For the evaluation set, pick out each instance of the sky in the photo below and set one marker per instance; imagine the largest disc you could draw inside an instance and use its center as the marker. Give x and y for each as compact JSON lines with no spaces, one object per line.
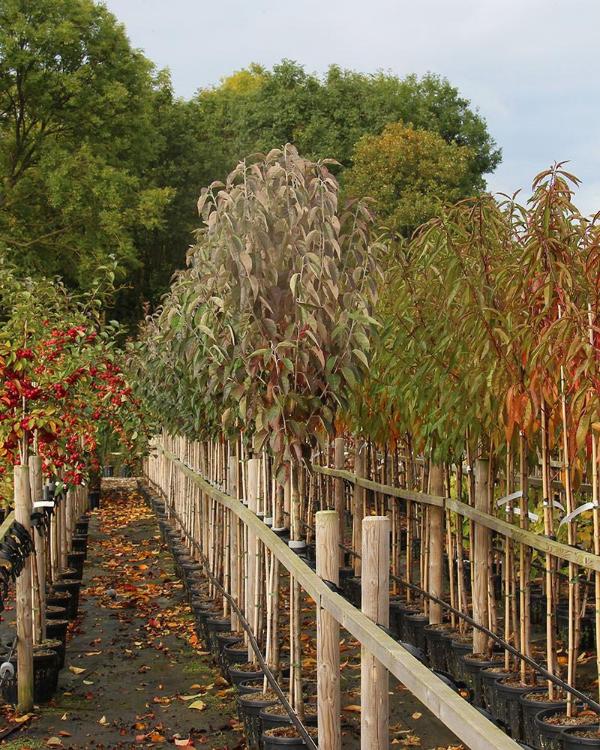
{"x":531,"y":67}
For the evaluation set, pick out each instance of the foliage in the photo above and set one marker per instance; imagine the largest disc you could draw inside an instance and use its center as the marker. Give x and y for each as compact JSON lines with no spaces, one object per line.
{"x":76,"y":137}
{"x":409,"y":173}
{"x":62,"y":392}
{"x":269,"y":329}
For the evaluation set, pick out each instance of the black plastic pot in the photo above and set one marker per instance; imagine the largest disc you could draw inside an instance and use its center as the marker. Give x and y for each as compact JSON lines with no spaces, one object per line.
{"x":488,"y":679}
{"x":76,"y":560}
{"x":403,"y":613}
{"x":61,"y":599}
{"x":94,"y":498}
{"x":572,"y":742}
{"x":45,"y":677}
{"x":353,"y":590}
{"x":414,"y":626}
{"x":249,"y":686}
{"x":508,"y":706}
{"x":81,"y":526}
{"x":237,"y":676}
{"x":215,"y":625}
{"x":224,"y":640}
{"x":55,"y":613}
{"x":58,"y":646}
{"x":71,"y":586}
{"x":235,"y":654}
{"x":460,"y":645}
{"x":270,"y":742}
{"x":57,"y":630}
{"x":473,"y":666}
{"x":530,"y":708}
{"x":79,"y":543}
{"x":437,"y":638}
{"x":201,"y":619}
{"x":249,"y":707}
{"x":271,"y":721}
{"x":549,"y":736}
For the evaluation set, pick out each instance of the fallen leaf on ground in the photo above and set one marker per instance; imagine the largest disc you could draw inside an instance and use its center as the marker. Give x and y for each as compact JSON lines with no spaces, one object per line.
{"x":352,"y":708}
{"x":54,"y":742}
{"x":417,"y":715}
{"x":77,"y":670}
{"x":198,"y":705}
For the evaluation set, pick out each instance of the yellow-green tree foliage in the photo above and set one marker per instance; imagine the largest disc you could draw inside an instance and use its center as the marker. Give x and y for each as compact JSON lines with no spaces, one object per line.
{"x":409,"y":173}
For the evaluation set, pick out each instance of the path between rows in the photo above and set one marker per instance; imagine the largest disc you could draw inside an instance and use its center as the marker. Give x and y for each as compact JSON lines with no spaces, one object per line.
{"x":133,"y":668}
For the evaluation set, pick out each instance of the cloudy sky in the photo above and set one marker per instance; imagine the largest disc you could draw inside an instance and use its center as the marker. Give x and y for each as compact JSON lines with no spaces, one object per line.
{"x":530,"y":66}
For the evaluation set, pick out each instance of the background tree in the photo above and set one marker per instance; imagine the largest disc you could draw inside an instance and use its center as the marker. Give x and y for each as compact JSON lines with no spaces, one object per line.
{"x":76,"y":135}
{"x":410,"y":173}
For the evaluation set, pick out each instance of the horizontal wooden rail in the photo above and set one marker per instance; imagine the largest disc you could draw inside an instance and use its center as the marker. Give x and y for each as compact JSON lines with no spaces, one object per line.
{"x":530,"y":538}
{"x":459,"y":716}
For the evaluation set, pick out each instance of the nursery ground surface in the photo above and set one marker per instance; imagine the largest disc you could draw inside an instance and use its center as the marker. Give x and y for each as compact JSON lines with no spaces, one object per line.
{"x":135,"y":674}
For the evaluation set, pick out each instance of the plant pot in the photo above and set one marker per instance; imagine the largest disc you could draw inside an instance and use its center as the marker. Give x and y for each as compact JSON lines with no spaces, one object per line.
{"x":249,"y":708}
{"x":234,"y":654}
{"x":237,"y":675}
{"x":550,"y":736}
{"x":94,"y":499}
{"x":82,"y":526}
{"x":473,"y":666}
{"x":55,"y":613}
{"x":415,"y":625}
{"x":272,"y":739}
{"x":460,"y":645}
{"x":57,"y":645}
{"x":75,"y":560}
{"x":67,"y":574}
{"x":201,"y":619}
{"x":56,"y":630}
{"x":224,"y":640}
{"x":572,"y":742}
{"x":60,"y":599}
{"x":215,"y":625}
{"x":437,"y":638}
{"x":353,"y":590}
{"x":45,"y":677}
{"x":72,"y":586}
{"x":531,"y":707}
{"x":508,"y":702}
{"x":271,"y":720}
{"x":402,"y":613}
{"x":79,"y":544}
{"x":489,"y":677}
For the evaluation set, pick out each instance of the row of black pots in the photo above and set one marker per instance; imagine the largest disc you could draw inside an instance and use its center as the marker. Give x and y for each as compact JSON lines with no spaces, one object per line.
{"x":62,"y":603}
{"x":516,"y":708}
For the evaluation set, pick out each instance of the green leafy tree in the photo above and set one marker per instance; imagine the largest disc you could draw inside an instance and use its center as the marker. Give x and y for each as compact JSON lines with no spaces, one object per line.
{"x":76,"y":136}
{"x":409,"y":173}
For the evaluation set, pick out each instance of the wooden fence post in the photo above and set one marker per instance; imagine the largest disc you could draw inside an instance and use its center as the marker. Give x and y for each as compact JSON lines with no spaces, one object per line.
{"x":39,"y":575}
{"x":339,"y":457}
{"x":23,"y":598}
{"x":481,"y":552}
{"x":374,"y":678}
{"x":436,"y":544}
{"x":252,"y":551}
{"x":328,"y":635}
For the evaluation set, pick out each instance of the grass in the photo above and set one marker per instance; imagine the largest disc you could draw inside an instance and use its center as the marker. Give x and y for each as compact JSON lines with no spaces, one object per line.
{"x":22,"y":744}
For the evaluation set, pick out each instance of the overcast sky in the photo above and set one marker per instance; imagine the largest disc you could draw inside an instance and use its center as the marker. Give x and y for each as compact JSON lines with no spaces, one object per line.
{"x":531,"y":67}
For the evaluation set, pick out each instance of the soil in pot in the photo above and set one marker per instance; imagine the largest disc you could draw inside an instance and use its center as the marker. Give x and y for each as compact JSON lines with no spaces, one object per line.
{"x":474,"y":664}
{"x":437,"y":638}
{"x":551,"y":723}
{"x":286,"y":737}
{"x":249,"y":708}
{"x":531,"y":704}
{"x":576,"y":738}
{"x":241,"y":672}
{"x":276,"y":716}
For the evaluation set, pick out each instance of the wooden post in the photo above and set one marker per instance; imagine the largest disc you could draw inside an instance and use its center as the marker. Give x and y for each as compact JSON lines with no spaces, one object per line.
{"x":252,"y":550}
{"x":339,"y":492}
{"x":234,"y":567}
{"x":481,"y":551}
{"x":436,"y":545}
{"x":328,"y":635}
{"x":39,"y":575}
{"x":23,"y":598}
{"x":374,"y":678}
